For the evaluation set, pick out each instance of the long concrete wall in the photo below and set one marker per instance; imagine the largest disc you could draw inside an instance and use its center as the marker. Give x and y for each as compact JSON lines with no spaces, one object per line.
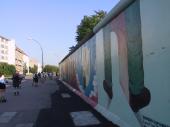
{"x":123,"y":71}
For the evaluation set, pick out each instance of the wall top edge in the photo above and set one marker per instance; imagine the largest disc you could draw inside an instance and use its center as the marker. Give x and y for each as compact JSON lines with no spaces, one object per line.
{"x":122,"y":5}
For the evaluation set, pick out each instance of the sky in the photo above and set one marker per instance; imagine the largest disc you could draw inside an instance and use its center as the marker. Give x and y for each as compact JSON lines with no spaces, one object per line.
{"x":52,"y":23}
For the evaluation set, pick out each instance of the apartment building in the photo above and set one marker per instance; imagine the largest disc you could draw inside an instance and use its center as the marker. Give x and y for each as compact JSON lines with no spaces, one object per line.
{"x":7,"y":50}
{"x":26,"y":62}
{"x":12,"y":54}
{"x":19,"y":63}
{"x":35,"y":62}
{"x":39,"y":68}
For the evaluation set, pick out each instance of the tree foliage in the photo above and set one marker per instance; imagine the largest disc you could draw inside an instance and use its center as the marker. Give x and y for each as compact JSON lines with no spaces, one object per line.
{"x":71,"y":48}
{"x":7,"y":69}
{"x":50,"y":68}
{"x":25,"y":69}
{"x":33,"y":69}
{"x":88,"y":23}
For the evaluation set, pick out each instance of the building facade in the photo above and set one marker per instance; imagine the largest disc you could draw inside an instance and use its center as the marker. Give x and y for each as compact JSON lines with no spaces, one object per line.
{"x":19,"y":63}
{"x":12,"y":54}
{"x":39,"y":68}
{"x":26,"y":63}
{"x":7,"y":50}
{"x":33,"y":62}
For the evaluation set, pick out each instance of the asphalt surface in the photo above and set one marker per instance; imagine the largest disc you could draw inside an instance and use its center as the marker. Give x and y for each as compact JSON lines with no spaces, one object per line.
{"x":24,"y":109}
{"x":51,"y":104}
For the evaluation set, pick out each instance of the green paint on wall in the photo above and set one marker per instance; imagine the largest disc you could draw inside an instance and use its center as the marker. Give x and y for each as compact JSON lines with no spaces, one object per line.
{"x":135,"y":55}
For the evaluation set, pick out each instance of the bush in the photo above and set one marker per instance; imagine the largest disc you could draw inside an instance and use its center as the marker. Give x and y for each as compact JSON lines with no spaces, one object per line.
{"x":7,"y":69}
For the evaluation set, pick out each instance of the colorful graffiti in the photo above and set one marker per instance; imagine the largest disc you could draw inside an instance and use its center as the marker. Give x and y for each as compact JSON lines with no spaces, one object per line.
{"x":109,"y":70}
{"x":79,"y":70}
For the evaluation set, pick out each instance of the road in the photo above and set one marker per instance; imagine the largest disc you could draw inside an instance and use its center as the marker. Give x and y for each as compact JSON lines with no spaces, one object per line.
{"x":22,"y":110}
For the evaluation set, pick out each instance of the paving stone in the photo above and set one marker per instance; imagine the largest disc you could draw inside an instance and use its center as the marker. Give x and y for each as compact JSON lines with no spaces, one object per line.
{"x":84,"y":118}
{"x":7,"y":116}
{"x":65,"y":95}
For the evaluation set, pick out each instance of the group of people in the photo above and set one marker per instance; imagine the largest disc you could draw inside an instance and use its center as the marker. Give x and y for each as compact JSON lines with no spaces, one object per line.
{"x":16,"y":81}
{"x":41,"y":77}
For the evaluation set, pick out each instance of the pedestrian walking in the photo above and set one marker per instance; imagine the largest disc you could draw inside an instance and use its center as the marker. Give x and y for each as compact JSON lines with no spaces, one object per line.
{"x":2,"y":88}
{"x":35,"y":80}
{"x":43,"y":78}
{"x":39,"y":75}
{"x":16,"y":83}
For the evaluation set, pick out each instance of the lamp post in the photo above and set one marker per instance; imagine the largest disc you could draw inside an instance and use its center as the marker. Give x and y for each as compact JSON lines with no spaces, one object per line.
{"x":40,"y":48}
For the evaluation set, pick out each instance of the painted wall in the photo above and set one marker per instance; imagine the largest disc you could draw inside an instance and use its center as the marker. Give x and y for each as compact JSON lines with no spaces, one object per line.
{"x":124,"y":68}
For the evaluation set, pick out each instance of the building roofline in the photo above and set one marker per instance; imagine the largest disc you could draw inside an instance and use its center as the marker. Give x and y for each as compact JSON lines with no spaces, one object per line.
{"x":4,"y":38}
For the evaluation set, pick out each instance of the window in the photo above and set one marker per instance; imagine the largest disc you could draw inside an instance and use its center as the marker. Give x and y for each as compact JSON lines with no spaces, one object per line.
{"x":2,"y":51}
{"x":2,"y":57}
{"x":3,"y":40}
{"x":2,"y":46}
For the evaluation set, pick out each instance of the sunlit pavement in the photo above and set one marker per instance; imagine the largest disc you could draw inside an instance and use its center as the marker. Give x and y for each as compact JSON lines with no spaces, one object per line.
{"x":48,"y":105}
{"x":22,"y":110}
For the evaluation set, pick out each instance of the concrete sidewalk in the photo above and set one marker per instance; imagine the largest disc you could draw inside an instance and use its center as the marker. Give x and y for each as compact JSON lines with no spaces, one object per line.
{"x":22,"y":110}
{"x":69,"y":110}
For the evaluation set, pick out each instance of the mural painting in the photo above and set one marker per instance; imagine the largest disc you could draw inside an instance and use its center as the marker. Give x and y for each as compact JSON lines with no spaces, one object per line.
{"x":109,"y":70}
{"x":80,"y":70}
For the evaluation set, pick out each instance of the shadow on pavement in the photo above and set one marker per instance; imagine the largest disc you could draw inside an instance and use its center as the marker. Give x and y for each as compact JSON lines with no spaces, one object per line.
{"x":59,"y":113}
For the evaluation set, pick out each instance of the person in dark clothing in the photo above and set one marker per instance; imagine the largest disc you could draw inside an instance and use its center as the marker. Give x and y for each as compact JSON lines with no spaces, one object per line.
{"x":16,"y":83}
{"x":35,"y":80}
{"x":39,"y":75}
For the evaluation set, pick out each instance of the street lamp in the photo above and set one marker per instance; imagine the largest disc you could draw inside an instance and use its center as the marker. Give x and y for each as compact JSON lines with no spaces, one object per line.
{"x":40,"y":48}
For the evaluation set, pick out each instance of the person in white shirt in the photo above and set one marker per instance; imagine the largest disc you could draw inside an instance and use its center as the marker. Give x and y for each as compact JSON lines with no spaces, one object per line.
{"x":2,"y":88}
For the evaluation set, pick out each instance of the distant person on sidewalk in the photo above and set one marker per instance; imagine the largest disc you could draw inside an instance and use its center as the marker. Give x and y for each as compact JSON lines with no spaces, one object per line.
{"x":35,"y":80}
{"x":39,"y":75}
{"x":57,"y":78}
{"x":2,"y":88}
{"x":43,"y":77}
{"x":16,"y":83}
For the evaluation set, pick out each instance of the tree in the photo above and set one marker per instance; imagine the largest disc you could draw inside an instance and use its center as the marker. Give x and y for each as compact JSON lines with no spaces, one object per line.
{"x":7,"y":69}
{"x":88,"y":23}
{"x":71,"y":48}
{"x":25,"y":69}
{"x":50,"y":68}
{"x":33,"y":69}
